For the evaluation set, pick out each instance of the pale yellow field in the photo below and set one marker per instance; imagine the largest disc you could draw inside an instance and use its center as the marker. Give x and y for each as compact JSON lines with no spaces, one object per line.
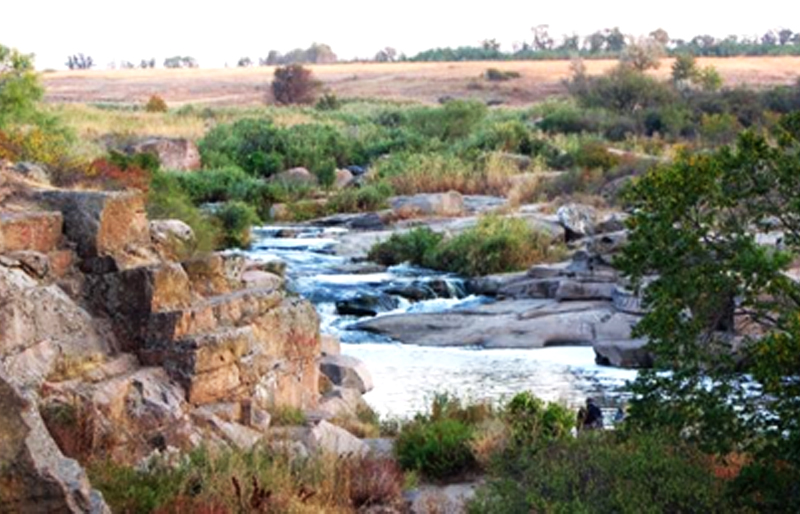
{"x":424,"y":82}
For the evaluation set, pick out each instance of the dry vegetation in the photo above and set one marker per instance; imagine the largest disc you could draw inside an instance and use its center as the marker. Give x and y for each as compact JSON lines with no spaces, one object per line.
{"x":425,"y":82}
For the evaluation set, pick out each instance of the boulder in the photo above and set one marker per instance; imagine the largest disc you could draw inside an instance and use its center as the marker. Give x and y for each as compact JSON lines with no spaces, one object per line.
{"x":176,"y":154}
{"x":173,"y":239}
{"x":31,"y":313}
{"x":614,"y":222}
{"x":344,"y":178}
{"x":429,"y":204}
{"x":296,"y":177}
{"x":37,"y":231}
{"x":207,"y":275}
{"x":626,"y":353}
{"x":264,"y":279}
{"x":346,"y":371}
{"x":33,"y":263}
{"x":626,"y":301}
{"x":327,"y":438}
{"x":356,"y":171}
{"x":578,"y":220}
{"x":330,"y":345}
{"x":415,"y":291}
{"x":572,"y":290}
{"x":354,"y":221}
{"x":33,"y":171}
{"x":34,"y":474}
{"x":342,"y":402}
{"x":110,"y":229}
{"x":280,"y":212}
{"x":366,"y":304}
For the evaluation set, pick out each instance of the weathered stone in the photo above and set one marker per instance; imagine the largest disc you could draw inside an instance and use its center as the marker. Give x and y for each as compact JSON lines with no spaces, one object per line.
{"x":328,"y":438}
{"x":30,"y":367}
{"x":330,"y":345}
{"x":295,"y":177}
{"x":31,"y":313}
{"x":347,"y":371}
{"x":430,"y":204}
{"x":531,"y":288}
{"x":207,"y":274}
{"x":579,"y":220}
{"x":34,"y":263}
{"x":342,"y":402}
{"x":280,"y":212}
{"x":630,"y":353}
{"x":111,"y":225}
{"x":60,"y":263}
{"x":176,"y":154}
{"x":33,"y":171}
{"x":265,"y":279}
{"x":415,"y":291}
{"x":614,"y":222}
{"x":212,"y":386}
{"x":34,"y":474}
{"x":173,"y":239}
{"x":355,"y":221}
{"x":572,"y":290}
{"x":343,"y":179}
{"x":491,"y":285}
{"x":366,"y":305}
{"x":30,"y":231}
{"x":626,"y":301}
{"x":276,"y":266}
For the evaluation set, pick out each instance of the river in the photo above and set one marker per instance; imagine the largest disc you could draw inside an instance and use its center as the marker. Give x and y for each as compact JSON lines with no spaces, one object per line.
{"x":406,"y":377}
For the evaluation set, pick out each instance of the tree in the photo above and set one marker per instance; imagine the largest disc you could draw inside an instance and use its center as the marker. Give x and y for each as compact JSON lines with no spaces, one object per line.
{"x":20,"y":90}
{"x":719,"y":302}
{"x":570,"y":43}
{"x":80,"y":62}
{"x":661,"y":36}
{"x":180,"y":62}
{"x":595,"y":43}
{"x":615,"y":40}
{"x":643,"y":54}
{"x":785,"y":37}
{"x":244,"y":62}
{"x":294,"y":84}
{"x":541,"y":38}
{"x":684,"y":68}
{"x":388,"y":54}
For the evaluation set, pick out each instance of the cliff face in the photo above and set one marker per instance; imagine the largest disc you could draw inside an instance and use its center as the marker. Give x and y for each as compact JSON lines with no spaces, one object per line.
{"x":115,"y":349}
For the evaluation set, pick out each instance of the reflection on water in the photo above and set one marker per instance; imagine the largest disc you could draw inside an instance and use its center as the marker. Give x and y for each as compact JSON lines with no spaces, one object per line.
{"x":405,"y":376}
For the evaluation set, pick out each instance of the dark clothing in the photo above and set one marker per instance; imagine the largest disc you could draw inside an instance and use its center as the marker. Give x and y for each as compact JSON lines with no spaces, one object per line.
{"x":594,"y":417}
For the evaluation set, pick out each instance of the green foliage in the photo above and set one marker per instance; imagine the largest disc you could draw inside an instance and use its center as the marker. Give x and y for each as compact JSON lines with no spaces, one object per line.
{"x":455,"y":120}
{"x":287,"y":416}
{"x":595,"y":154}
{"x":20,"y":90}
{"x":144,"y":161}
{"x":439,"y":449}
{"x":684,"y":68}
{"x":367,"y":198}
{"x":693,"y":228}
{"x":328,"y":102}
{"x":415,"y":247}
{"x":532,"y":422}
{"x":624,"y":90}
{"x":495,"y":245}
{"x":236,"y":218}
{"x":603,"y":473}
{"x":167,"y":200}
{"x":294,"y":84}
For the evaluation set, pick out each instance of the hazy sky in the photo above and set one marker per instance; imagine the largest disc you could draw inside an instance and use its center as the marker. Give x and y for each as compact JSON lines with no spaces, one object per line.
{"x":217,"y":32}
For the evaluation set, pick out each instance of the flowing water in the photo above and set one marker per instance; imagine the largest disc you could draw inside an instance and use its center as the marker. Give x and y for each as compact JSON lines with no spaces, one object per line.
{"x":406,"y":377}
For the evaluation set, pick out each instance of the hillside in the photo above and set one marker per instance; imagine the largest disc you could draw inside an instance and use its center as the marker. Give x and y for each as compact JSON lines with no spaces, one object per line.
{"x":425,"y":82}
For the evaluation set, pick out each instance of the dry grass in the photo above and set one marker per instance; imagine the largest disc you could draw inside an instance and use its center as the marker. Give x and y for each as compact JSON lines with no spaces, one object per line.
{"x":424,"y":82}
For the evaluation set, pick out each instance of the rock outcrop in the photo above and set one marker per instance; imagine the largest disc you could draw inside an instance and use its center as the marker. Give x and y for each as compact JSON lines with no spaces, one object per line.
{"x":175,"y":154}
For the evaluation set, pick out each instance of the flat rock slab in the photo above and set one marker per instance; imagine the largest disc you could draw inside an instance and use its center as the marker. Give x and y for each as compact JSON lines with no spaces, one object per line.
{"x":511,"y":324}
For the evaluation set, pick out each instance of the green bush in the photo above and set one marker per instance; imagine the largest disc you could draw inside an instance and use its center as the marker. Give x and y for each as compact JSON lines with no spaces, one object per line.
{"x":236,"y":218}
{"x":495,"y":75}
{"x":623,"y":90}
{"x":504,"y":136}
{"x":532,"y":422}
{"x":328,"y":102}
{"x":604,"y":473}
{"x":364,"y":199}
{"x":20,"y":90}
{"x":454,"y":120}
{"x":595,"y":154}
{"x":253,"y":145}
{"x":167,"y":200}
{"x":495,"y":245}
{"x":438,"y":448}
{"x":416,"y":247}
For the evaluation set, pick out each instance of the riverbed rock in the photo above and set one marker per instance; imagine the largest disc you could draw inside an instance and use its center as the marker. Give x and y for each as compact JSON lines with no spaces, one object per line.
{"x":508,"y":324}
{"x":34,"y":474}
{"x":628,"y":353}
{"x":177,"y":154}
{"x":327,"y":438}
{"x":344,"y":178}
{"x":429,"y":204}
{"x":366,"y":305}
{"x":330,"y":345}
{"x":30,"y":231}
{"x":579,"y":220}
{"x":296,"y":177}
{"x":33,"y":171}
{"x":173,"y":239}
{"x":347,"y":371}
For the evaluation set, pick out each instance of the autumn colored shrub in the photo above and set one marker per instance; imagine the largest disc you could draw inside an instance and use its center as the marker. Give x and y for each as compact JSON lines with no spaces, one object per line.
{"x":156,"y":104}
{"x":294,"y":84}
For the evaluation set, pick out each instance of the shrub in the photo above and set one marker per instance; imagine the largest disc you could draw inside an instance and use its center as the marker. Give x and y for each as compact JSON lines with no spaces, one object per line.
{"x":411,"y":173}
{"x":364,"y":199}
{"x":495,"y":75}
{"x":328,"y":102}
{"x":251,"y":144}
{"x":294,"y":84}
{"x":594,"y":154}
{"x":20,"y":90}
{"x":454,"y":120}
{"x":235,"y":219}
{"x":624,"y":90}
{"x":155,"y":104}
{"x":532,"y":422}
{"x":494,"y":245}
{"x":416,"y":247}
{"x":438,"y":448}
{"x":603,"y":472}
{"x":167,"y":200}
{"x":684,"y":68}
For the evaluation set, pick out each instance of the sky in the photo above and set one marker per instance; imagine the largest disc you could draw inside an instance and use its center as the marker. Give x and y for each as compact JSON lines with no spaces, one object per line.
{"x":216,"y":33}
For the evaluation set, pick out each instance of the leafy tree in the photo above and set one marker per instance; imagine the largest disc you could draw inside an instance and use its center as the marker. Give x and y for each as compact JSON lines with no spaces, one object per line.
{"x":720,"y":303}
{"x":541,"y":38}
{"x":294,"y":84}
{"x":80,"y":62}
{"x":180,"y":62}
{"x":643,"y":54}
{"x":244,"y":62}
{"x":388,"y":54}
{"x":19,"y":87}
{"x":684,"y":68}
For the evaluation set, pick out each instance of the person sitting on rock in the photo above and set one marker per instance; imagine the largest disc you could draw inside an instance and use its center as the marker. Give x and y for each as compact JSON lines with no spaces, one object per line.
{"x":594,"y":416}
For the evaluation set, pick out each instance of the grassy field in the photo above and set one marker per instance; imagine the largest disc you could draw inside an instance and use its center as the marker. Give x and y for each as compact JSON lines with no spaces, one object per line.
{"x":424,"y":82}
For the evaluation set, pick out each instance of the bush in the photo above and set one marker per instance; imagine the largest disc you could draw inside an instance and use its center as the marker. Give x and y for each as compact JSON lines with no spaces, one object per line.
{"x":416,"y":247}
{"x":364,"y":199}
{"x":603,"y":472}
{"x":532,"y":422}
{"x":155,"y":104}
{"x":454,"y":120}
{"x":624,"y":90}
{"x":236,"y":218}
{"x":594,"y":154}
{"x":294,"y":84}
{"x":328,"y":102}
{"x":439,"y":448}
{"x":495,"y":75}
{"x":252,"y":144}
{"x":167,"y":200}
{"x":20,"y":90}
